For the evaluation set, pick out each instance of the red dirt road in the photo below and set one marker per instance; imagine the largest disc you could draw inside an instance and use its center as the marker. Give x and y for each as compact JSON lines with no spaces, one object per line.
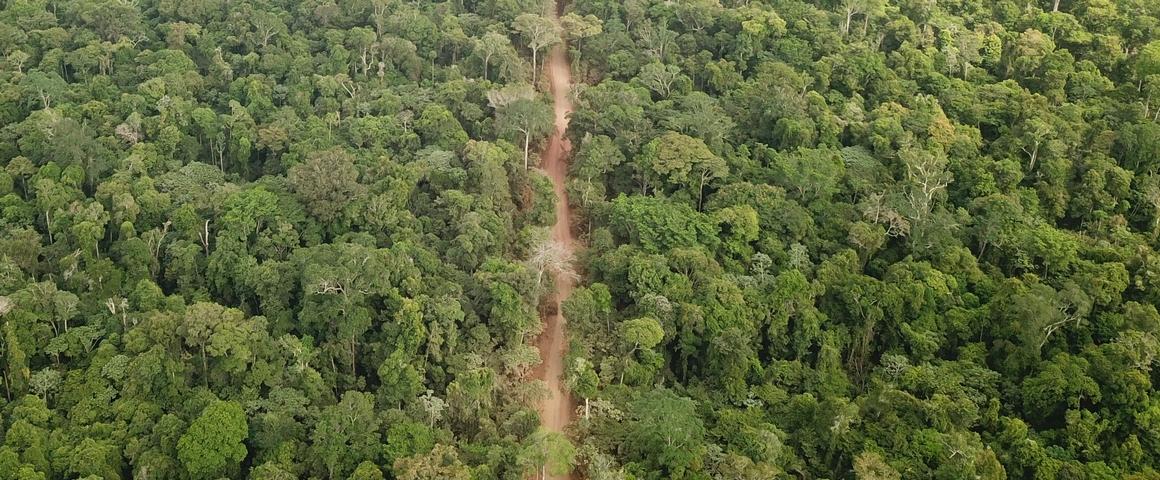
{"x":556,"y":411}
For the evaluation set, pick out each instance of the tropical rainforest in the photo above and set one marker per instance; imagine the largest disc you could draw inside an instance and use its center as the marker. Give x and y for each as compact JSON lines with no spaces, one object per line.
{"x":823,"y":239}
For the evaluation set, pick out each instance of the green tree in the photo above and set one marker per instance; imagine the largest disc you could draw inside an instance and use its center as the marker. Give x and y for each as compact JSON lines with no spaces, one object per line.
{"x":576,"y":28}
{"x":327,"y":182}
{"x":492,"y":45}
{"x":538,"y":33}
{"x":442,"y":461}
{"x":526,"y":119}
{"x":366,"y":471}
{"x":658,"y":225}
{"x":221,"y":333}
{"x":43,"y":89}
{"x":871,"y":466}
{"x":213,"y":445}
{"x":437,"y":126}
{"x":582,"y":380}
{"x":1148,"y":62}
{"x":666,"y":434}
{"x":549,"y":453}
{"x":346,"y":435}
{"x":641,"y":333}
{"x":680,"y":160}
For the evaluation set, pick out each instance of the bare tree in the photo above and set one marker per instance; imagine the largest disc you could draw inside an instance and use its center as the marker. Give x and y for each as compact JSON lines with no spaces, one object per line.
{"x":501,"y":97}
{"x":659,"y":77}
{"x":927,"y":174}
{"x":553,"y":257}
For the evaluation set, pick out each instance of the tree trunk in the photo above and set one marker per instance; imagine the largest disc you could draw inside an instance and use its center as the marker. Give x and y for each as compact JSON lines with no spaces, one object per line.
{"x":334,"y":368}
{"x":48,"y":225}
{"x":701,"y":191}
{"x":527,"y":141}
{"x":1055,"y":6}
{"x":205,"y":239}
{"x":1034,"y":156}
{"x":204,"y":367}
{"x":353,"y":357}
{"x":534,"y":68}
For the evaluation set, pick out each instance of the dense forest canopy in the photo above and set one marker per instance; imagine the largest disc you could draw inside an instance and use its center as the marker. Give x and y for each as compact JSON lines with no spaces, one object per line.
{"x":864,"y":239}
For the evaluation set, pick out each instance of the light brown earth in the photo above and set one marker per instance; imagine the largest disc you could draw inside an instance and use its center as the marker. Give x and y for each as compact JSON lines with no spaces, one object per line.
{"x":556,"y":411}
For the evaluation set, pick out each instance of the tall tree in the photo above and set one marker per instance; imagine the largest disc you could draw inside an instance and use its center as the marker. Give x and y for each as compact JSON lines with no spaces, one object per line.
{"x":490,"y":46}
{"x":538,"y":33}
{"x":527,"y":118}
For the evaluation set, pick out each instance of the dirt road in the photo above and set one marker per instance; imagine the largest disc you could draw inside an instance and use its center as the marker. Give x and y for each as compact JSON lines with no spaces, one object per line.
{"x":557,"y":409}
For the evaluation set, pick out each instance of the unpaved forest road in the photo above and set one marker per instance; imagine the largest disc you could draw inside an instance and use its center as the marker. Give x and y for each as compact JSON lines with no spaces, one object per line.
{"x":556,"y":411}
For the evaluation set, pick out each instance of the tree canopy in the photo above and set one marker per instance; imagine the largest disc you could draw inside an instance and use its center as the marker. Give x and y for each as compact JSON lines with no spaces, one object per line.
{"x":872,"y":239}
